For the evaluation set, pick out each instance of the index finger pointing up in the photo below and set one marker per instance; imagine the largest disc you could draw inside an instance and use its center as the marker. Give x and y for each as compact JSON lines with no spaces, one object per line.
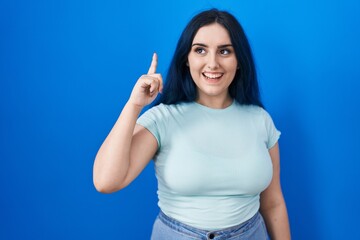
{"x":153,"y":65}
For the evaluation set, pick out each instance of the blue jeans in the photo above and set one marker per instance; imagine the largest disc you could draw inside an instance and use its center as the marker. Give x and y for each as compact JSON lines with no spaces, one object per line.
{"x":166,"y":228}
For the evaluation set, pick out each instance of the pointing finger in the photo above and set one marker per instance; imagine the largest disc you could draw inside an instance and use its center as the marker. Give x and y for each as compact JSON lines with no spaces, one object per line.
{"x":153,"y":65}
{"x":150,"y":85}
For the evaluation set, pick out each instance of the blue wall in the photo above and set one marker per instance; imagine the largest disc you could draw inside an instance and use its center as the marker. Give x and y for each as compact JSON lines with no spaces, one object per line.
{"x":67,"y":68}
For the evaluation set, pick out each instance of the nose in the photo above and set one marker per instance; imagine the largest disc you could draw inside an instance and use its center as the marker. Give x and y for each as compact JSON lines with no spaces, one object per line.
{"x":212,"y":61}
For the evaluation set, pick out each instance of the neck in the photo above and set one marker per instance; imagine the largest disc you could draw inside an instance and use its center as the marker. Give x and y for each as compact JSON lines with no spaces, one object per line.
{"x":215,"y":102}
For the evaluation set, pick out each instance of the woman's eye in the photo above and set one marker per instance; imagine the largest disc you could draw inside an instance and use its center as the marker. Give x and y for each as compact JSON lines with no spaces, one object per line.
{"x":200,"y":50}
{"x":225,"y":51}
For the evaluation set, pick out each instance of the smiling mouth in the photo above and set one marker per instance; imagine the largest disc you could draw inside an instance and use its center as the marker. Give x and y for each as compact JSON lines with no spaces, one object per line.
{"x":212,"y":76}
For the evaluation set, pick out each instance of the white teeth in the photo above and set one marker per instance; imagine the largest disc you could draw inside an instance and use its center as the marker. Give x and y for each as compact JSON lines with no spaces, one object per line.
{"x":213,"y":75}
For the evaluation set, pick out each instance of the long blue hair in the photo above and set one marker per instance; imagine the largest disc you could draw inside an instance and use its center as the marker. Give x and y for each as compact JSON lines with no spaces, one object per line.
{"x":179,"y":86}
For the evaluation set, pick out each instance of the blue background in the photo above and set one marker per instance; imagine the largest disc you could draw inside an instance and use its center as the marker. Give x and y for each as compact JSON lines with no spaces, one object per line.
{"x":68,"y":67}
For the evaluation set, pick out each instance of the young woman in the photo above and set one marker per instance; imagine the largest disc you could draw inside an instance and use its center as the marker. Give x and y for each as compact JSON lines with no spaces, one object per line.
{"x":214,"y":146}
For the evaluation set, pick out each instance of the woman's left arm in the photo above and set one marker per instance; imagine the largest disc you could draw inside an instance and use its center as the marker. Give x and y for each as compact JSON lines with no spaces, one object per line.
{"x":272,"y":203}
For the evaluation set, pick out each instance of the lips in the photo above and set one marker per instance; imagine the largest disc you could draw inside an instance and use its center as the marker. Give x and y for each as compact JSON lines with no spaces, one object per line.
{"x":212,"y":76}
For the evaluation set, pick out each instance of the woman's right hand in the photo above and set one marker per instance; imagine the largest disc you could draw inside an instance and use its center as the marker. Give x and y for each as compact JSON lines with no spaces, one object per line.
{"x":148,"y":86}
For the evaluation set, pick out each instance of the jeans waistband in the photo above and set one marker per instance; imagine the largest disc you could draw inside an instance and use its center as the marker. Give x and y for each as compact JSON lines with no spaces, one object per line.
{"x":222,"y":233}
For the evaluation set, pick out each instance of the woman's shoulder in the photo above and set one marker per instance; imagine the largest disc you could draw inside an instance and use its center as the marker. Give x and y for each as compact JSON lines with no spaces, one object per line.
{"x":171,"y":107}
{"x":254,"y":111}
{"x":250,"y":108}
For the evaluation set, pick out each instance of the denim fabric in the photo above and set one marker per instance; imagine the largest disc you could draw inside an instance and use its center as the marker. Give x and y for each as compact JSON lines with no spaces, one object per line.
{"x":166,"y":228}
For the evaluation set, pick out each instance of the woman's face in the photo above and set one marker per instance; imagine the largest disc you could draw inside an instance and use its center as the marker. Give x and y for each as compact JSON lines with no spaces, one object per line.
{"x":212,"y":62}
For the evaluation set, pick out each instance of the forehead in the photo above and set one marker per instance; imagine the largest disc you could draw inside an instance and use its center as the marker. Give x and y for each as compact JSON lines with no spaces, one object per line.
{"x":213,"y":33}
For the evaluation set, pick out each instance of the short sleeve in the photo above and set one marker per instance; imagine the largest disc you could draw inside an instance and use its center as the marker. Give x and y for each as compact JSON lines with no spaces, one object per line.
{"x":154,"y":120}
{"x":273,"y":134}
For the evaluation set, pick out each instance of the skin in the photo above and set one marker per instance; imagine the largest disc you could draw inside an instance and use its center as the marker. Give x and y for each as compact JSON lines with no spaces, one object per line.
{"x":212,"y":55}
{"x":212,"y":63}
{"x":272,"y":203}
{"x":116,"y":167}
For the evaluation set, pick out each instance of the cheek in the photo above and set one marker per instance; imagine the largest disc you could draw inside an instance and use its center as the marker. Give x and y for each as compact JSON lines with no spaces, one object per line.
{"x":195,"y":63}
{"x":195,"y":70}
{"x":232,"y":65}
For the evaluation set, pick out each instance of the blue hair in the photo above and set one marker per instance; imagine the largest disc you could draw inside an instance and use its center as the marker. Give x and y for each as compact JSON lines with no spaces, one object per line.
{"x":179,"y":86}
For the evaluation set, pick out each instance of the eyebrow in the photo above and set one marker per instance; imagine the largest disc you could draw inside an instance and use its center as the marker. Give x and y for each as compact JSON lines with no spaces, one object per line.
{"x":204,"y":45}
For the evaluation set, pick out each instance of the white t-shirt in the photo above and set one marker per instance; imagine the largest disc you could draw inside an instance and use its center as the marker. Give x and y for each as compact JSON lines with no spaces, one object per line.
{"x":211,"y":164}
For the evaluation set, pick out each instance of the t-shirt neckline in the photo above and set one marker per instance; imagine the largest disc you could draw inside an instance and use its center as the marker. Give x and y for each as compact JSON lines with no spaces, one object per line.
{"x":209,"y":109}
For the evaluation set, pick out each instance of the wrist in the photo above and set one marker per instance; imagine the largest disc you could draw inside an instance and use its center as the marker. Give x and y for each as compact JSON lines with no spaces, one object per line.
{"x":133,"y":106}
